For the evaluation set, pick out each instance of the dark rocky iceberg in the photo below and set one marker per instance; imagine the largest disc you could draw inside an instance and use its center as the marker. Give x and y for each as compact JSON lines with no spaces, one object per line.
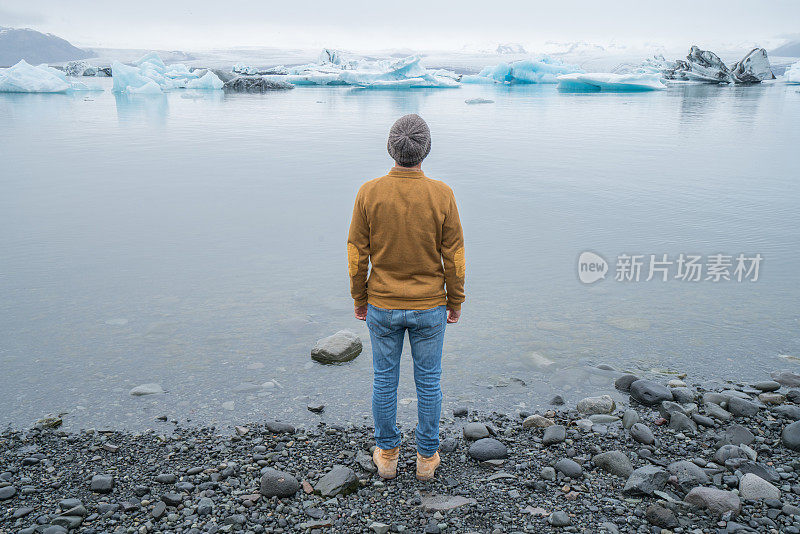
{"x":706,"y":66}
{"x":753,"y":68}
{"x":254,"y":84}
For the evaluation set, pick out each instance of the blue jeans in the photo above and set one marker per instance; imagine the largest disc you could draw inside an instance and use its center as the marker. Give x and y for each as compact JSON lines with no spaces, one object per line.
{"x":387,"y":328}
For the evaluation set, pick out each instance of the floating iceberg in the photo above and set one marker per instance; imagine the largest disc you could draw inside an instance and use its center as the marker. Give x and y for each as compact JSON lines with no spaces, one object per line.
{"x":246,"y":70}
{"x":25,"y":78}
{"x":149,"y":75}
{"x":699,"y":66}
{"x":80,"y":68}
{"x":705,"y":66}
{"x":609,"y":82}
{"x":399,"y":73}
{"x":753,"y":68}
{"x":209,"y":80}
{"x":478,"y":101}
{"x":792,"y":74}
{"x":255,"y":84}
{"x":653,"y":65}
{"x":543,"y":69}
{"x":335,"y":68}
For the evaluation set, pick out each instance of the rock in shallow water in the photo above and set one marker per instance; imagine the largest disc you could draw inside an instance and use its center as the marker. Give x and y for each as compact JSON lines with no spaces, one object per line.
{"x":650,"y":393}
{"x":786,"y":378}
{"x":767,"y":386}
{"x":624,"y":382}
{"x":342,"y":346}
{"x":596,"y":405}
{"x":147,"y":389}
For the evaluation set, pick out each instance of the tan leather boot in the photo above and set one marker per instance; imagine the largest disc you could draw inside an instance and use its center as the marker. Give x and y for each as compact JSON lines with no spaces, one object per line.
{"x":427,"y":466}
{"x":386,"y":461}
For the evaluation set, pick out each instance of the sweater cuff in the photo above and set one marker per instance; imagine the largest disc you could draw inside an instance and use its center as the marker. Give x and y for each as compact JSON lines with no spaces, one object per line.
{"x":360,"y":302}
{"x":453,"y":305}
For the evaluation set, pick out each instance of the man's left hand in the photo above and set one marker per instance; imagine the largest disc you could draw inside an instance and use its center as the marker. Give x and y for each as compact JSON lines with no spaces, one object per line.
{"x":361,"y":312}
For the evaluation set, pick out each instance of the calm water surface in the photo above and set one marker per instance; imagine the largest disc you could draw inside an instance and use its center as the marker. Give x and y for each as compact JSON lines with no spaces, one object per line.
{"x":197,"y":240}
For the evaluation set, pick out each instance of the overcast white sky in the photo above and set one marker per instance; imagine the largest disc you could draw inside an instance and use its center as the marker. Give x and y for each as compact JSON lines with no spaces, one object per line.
{"x":419,"y":24}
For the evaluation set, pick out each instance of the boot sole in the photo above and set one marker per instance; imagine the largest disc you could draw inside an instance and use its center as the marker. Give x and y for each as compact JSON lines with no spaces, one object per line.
{"x":387,"y":477}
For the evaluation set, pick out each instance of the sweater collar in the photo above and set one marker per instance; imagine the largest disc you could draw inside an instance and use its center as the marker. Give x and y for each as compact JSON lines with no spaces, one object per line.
{"x":406,"y":173}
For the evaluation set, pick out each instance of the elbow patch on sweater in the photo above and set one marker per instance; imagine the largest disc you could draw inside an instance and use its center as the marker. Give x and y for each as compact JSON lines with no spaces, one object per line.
{"x":458,"y":259}
{"x":352,"y":259}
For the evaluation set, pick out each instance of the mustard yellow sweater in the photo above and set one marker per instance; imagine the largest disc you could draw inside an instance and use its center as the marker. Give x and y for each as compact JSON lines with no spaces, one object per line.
{"x":407,"y":225}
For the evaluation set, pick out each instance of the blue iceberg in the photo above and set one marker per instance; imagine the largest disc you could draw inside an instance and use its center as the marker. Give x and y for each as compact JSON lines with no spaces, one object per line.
{"x":792,"y":74}
{"x":149,"y":75}
{"x":543,"y":69}
{"x":336,"y":68}
{"x":26,"y":78}
{"x":608,"y":82}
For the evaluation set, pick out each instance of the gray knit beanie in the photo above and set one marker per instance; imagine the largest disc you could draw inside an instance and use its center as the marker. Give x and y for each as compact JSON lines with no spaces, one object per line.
{"x":409,"y":140}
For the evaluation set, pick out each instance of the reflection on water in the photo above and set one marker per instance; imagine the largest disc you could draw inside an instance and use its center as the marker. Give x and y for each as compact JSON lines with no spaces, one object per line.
{"x":152,"y":109}
{"x":195,"y":239}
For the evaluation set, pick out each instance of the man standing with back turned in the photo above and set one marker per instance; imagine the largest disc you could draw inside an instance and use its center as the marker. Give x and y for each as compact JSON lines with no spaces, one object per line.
{"x":407,"y":225}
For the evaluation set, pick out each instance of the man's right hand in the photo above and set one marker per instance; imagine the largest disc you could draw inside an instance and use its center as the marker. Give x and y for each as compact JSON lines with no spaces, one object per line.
{"x":360,"y":312}
{"x":453,"y":315}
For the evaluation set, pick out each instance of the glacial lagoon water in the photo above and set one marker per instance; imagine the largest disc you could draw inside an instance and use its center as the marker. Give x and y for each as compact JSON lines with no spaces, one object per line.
{"x":197,"y":240}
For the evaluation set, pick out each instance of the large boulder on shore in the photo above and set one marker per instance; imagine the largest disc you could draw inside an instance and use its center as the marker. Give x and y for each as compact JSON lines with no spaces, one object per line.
{"x":342,"y":346}
{"x":276,"y":483}
{"x":488,"y":449}
{"x":753,"y":68}
{"x":645,"y":480}
{"x":715,"y":500}
{"x":755,"y":488}
{"x":339,"y":480}
{"x":790,"y":437}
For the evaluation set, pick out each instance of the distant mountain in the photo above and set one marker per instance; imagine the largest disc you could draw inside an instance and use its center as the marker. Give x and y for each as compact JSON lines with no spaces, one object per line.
{"x":35,"y":47}
{"x":790,"y":49}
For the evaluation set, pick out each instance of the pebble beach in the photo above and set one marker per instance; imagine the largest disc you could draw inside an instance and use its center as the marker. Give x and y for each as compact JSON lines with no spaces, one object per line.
{"x":676,"y":457}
